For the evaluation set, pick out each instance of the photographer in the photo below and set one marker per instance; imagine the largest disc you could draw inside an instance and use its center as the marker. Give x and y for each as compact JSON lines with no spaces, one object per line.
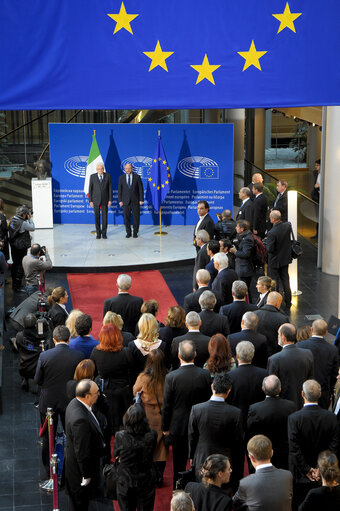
{"x":34,"y":268}
{"x":226,"y":226}
{"x":35,"y":303}
{"x":244,"y":251}
{"x":20,"y":240}
{"x":28,"y":344}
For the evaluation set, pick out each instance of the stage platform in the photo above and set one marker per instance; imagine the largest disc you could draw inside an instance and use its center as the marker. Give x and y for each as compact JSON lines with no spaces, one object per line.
{"x":74,"y":247}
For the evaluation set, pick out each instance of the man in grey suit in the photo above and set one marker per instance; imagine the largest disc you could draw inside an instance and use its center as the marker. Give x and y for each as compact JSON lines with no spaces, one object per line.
{"x":130,"y":198}
{"x":270,"y":488}
{"x":100,"y":197}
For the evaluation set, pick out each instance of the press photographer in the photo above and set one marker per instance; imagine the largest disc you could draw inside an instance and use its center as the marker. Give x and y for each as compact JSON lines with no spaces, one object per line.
{"x":35,"y":264}
{"x":20,"y":240}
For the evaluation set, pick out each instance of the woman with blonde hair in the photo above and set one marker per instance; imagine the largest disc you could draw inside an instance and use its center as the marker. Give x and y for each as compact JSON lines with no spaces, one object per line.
{"x":111,"y":318}
{"x":264,"y":286}
{"x":174,"y":327}
{"x":71,"y":321}
{"x":58,"y":312}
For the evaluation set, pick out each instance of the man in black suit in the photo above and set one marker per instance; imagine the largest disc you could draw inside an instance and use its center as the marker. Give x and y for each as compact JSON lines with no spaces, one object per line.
{"x":216,"y":427}
{"x":130,"y":198}
{"x":246,"y":380}
{"x":292,"y":365}
{"x":84,"y":448}
{"x":310,"y":431}
{"x":54,"y":369}
{"x":212,"y":323}
{"x":183,"y":388}
{"x":224,"y":279}
{"x":244,"y":253}
{"x":278,"y":245}
{"x":281,"y":201}
{"x":191,"y":300}
{"x":270,"y":319}
{"x":270,"y":488}
{"x":234,"y":311}
{"x":213,"y":248}
{"x":326,"y":360}
{"x":202,"y":258}
{"x":248,"y":326}
{"x":246,"y":211}
{"x":100,"y":197}
{"x":255,"y":178}
{"x":126,"y":305}
{"x":205,"y":221}
{"x":259,"y":211}
{"x":193,"y":323}
{"x":270,"y":418}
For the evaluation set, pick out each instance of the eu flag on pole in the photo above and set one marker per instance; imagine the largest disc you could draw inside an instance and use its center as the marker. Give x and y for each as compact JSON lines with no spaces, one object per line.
{"x":159,"y":181}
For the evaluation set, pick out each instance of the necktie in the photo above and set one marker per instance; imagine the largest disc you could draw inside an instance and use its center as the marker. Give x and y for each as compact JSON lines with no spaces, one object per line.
{"x":129,"y":179}
{"x":101,"y":179}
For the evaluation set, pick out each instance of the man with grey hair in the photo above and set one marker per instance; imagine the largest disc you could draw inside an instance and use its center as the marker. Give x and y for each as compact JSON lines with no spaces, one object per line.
{"x":270,"y":319}
{"x":128,"y":306}
{"x":191,"y":300}
{"x":193,"y":323}
{"x":183,"y":388}
{"x":270,"y":418}
{"x":224,"y":279}
{"x":246,"y":380}
{"x":212,"y":323}
{"x":246,"y":210}
{"x":234,"y":311}
{"x":248,"y":326}
{"x":100,"y":197}
{"x":181,"y":501}
{"x":202,"y":258}
{"x":310,"y":431}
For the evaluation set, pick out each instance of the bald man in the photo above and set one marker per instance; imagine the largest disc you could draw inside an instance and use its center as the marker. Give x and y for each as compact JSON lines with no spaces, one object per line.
{"x":270,"y":319}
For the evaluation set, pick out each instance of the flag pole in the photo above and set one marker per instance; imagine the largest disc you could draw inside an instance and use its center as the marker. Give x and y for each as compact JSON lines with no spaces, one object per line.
{"x":160,"y":232}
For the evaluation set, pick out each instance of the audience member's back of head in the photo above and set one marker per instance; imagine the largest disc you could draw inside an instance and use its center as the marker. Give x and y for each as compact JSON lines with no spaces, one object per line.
{"x":312,"y":390}
{"x":181,"y":501}
{"x":135,"y":421}
{"x":124,"y":282}
{"x":222,"y":383}
{"x":61,"y":333}
{"x":260,"y":447}
{"x":83,"y":324}
{"x":175,"y":317}
{"x":271,"y":385}
{"x":245,"y":351}
{"x":187,"y":351}
{"x":193,"y":319}
{"x":329,"y":467}
{"x":319,"y":327}
{"x":239,"y":289}
{"x":203,"y":277}
{"x":250,"y":320}
{"x":274,"y":298}
{"x":207,"y":300}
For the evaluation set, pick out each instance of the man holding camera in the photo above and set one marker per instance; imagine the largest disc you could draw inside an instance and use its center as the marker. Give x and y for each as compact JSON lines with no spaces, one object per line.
{"x":35,"y":266}
{"x":20,"y":240}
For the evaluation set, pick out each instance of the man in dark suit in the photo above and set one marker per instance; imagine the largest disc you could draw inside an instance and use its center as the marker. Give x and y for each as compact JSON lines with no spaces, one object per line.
{"x":244,"y":253}
{"x":212,"y":323}
{"x":193,"y":323}
{"x":270,"y":319}
{"x":191,"y":300}
{"x":255,"y":178}
{"x":54,"y":369}
{"x":100,"y":197}
{"x":278,"y":245}
{"x":246,"y":211}
{"x":224,"y":279}
{"x":270,"y":488}
{"x":234,"y":311}
{"x":310,"y":431}
{"x":202,"y":258}
{"x":281,"y":201}
{"x":130,"y":198}
{"x":246,"y":380}
{"x":248,"y":326}
{"x":259,"y":211}
{"x":213,"y":248}
{"x":205,"y":221}
{"x":84,"y":448}
{"x":292,"y":365}
{"x":225,"y":227}
{"x":183,"y":388}
{"x":270,"y":418}
{"x":326,"y":360}
{"x":216,"y":427}
{"x":126,"y":305}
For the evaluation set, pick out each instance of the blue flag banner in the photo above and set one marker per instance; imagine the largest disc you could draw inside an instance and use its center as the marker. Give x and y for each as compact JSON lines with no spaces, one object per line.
{"x":159,"y":180}
{"x":121,"y":54}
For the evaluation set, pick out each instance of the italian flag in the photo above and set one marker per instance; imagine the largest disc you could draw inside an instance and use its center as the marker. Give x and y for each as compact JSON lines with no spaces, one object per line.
{"x":94,"y":159}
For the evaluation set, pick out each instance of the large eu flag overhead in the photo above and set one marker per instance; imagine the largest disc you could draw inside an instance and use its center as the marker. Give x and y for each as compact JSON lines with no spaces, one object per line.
{"x":121,"y":54}
{"x":159,"y":180}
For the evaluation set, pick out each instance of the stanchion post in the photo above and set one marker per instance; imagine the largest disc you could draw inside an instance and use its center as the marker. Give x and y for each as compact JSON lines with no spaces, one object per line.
{"x":54,"y":471}
{"x":48,"y":485}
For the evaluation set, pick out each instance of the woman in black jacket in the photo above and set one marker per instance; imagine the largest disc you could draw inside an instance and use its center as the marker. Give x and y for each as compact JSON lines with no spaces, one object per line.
{"x":57,"y":301}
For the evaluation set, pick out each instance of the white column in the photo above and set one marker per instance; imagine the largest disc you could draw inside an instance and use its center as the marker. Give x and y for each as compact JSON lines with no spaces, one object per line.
{"x":292,"y":217}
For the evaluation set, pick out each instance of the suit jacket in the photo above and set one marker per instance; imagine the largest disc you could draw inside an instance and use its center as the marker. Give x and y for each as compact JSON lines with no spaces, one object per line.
{"x":246,"y":387}
{"x":58,"y":315}
{"x":201,"y":261}
{"x":260,"y":209}
{"x":326,"y":365}
{"x":132,"y":195}
{"x":278,"y":245}
{"x":234,"y":312}
{"x":261,"y":302}
{"x":282,"y":206}
{"x":100,"y":194}
{"x":209,"y":497}
{"x":208,"y":225}
{"x":201,"y":342}
{"x":244,"y":255}
{"x":270,"y":418}
{"x":270,"y":319}
{"x":223,"y":283}
{"x":212,"y":270}
{"x":184,"y":387}
{"x":258,"y":340}
{"x":128,"y":307}
{"x":269,"y":489}
{"x":191,"y":300}
{"x":54,"y":369}
{"x":246,"y":212}
{"x":213,"y":323}
{"x":293,"y":367}
{"x":310,"y":431}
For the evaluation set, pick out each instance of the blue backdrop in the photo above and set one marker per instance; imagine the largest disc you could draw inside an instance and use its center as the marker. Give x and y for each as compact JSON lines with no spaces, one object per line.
{"x":200,"y":158}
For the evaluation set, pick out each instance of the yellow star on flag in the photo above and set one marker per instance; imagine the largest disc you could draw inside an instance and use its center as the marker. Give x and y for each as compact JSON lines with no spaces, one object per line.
{"x":252,"y":57}
{"x":287,"y":19}
{"x":205,"y":70}
{"x":158,"y":58}
{"x":123,"y":19}
{"x":150,"y":178}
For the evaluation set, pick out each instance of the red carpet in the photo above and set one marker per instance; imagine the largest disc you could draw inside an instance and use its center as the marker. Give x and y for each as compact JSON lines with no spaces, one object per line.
{"x":89,"y":290}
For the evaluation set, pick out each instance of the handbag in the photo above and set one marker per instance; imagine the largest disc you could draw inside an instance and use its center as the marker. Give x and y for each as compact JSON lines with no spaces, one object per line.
{"x":295,"y":247}
{"x":110,"y":475}
{"x":184,"y":478}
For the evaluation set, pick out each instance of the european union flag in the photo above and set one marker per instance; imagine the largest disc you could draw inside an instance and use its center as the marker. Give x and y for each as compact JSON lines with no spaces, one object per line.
{"x":159,"y":181}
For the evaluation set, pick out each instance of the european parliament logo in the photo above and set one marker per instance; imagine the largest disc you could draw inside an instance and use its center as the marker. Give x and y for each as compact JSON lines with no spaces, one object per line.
{"x":141,"y":165}
{"x":76,"y":166}
{"x":199,"y":167}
